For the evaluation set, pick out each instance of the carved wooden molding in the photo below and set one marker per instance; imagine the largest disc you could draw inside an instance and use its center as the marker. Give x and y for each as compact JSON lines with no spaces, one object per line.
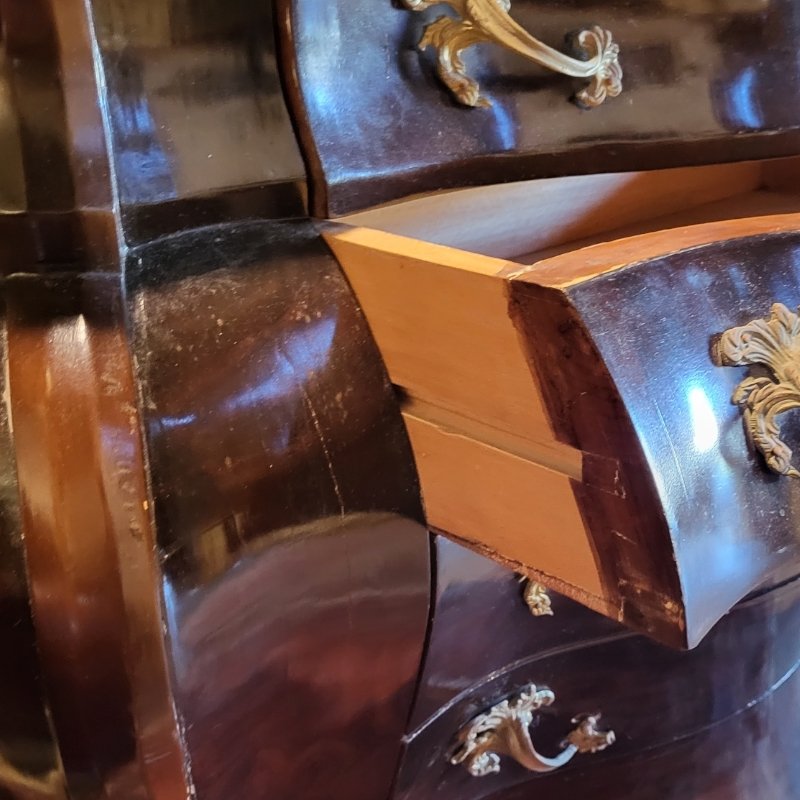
{"x":489,"y":21}
{"x":775,"y":345}
{"x":504,"y":730}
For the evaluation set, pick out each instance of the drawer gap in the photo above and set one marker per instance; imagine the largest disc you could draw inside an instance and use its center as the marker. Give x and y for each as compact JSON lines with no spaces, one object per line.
{"x":530,"y":220}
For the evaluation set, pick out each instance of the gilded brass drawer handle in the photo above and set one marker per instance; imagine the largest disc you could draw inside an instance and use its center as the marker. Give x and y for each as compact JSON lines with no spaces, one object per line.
{"x":504,"y":730}
{"x":489,"y":21}
{"x":774,"y":344}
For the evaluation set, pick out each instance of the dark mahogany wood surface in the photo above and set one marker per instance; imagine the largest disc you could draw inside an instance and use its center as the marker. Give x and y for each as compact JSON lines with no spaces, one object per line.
{"x":694,"y":511}
{"x":125,"y":121}
{"x":290,"y":568}
{"x":481,"y":624}
{"x":217,"y":389}
{"x":750,"y":755}
{"x":296,"y":571}
{"x":289,"y":577}
{"x":651,"y":696}
{"x":198,"y":126}
{"x":56,"y":194}
{"x":704,"y":82}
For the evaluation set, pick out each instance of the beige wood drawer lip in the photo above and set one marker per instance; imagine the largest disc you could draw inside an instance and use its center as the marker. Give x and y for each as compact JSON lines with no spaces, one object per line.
{"x":570,"y":268}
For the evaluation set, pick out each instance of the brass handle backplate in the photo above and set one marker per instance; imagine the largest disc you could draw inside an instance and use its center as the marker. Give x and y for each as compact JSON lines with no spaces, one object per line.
{"x":775,"y":345}
{"x":489,"y":21}
{"x":504,"y":730}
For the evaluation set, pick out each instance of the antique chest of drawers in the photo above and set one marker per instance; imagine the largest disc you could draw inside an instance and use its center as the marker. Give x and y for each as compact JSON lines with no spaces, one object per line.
{"x":399,"y":399}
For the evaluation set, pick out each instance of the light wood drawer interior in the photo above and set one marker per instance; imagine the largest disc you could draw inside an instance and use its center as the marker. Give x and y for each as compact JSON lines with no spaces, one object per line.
{"x":436,"y":276}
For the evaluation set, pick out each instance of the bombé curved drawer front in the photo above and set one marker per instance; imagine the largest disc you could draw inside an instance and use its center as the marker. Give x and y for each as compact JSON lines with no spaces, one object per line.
{"x":615,"y":421}
{"x":415,"y":95}
{"x":681,"y":366}
{"x":641,"y":695}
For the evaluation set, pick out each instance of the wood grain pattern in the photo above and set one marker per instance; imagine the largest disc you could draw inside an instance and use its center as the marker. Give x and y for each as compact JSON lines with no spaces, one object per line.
{"x":508,"y":219}
{"x":508,"y":394}
{"x":287,"y":511}
{"x":662,"y":704}
{"x":236,"y":603}
{"x":376,"y":123}
{"x":520,"y":509}
{"x":31,"y":764}
{"x":88,"y":542}
{"x":257,"y":561}
{"x":440,"y":317}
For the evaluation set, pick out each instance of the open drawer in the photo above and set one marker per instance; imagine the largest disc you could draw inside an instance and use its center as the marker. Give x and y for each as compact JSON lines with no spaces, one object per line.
{"x":570,"y":408}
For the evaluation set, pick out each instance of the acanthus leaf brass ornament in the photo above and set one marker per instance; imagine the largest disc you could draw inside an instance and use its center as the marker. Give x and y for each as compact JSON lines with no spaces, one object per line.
{"x":537,"y":599}
{"x":504,"y":730}
{"x":489,"y":21}
{"x":775,"y":345}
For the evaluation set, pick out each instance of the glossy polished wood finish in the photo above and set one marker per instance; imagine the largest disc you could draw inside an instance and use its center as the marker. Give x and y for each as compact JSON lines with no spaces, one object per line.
{"x":235,"y":604}
{"x":649,"y":695}
{"x":581,"y":432}
{"x":476,"y":594}
{"x":88,"y":544}
{"x":258,"y":562}
{"x":57,"y":201}
{"x":30,"y":763}
{"x":296,"y":574}
{"x":749,"y":755}
{"x":276,"y":613}
{"x":702,"y":84}
{"x":199,"y":132}
{"x":668,"y":421}
{"x":173,"y":113}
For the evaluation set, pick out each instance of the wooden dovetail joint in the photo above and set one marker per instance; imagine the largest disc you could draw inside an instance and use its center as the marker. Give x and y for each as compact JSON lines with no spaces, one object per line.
{"x":489,"y":21}
{"x":504,"y":730}
{"x":774,"y":344}
{"x":537,"y":599}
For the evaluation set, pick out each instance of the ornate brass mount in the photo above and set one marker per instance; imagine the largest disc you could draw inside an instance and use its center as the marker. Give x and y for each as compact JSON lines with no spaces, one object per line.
{"x":489,"y":21}
{"x":537,"y":599}
{"x":775,"y":345}
{"x":504,"y":730}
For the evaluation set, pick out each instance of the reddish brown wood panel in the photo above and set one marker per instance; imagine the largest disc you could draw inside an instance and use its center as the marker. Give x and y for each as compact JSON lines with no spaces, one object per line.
{"x":89,"y":549}
{"x":749,"y":755}
{"x":32,"y":764}
{"x":476,"y":594}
